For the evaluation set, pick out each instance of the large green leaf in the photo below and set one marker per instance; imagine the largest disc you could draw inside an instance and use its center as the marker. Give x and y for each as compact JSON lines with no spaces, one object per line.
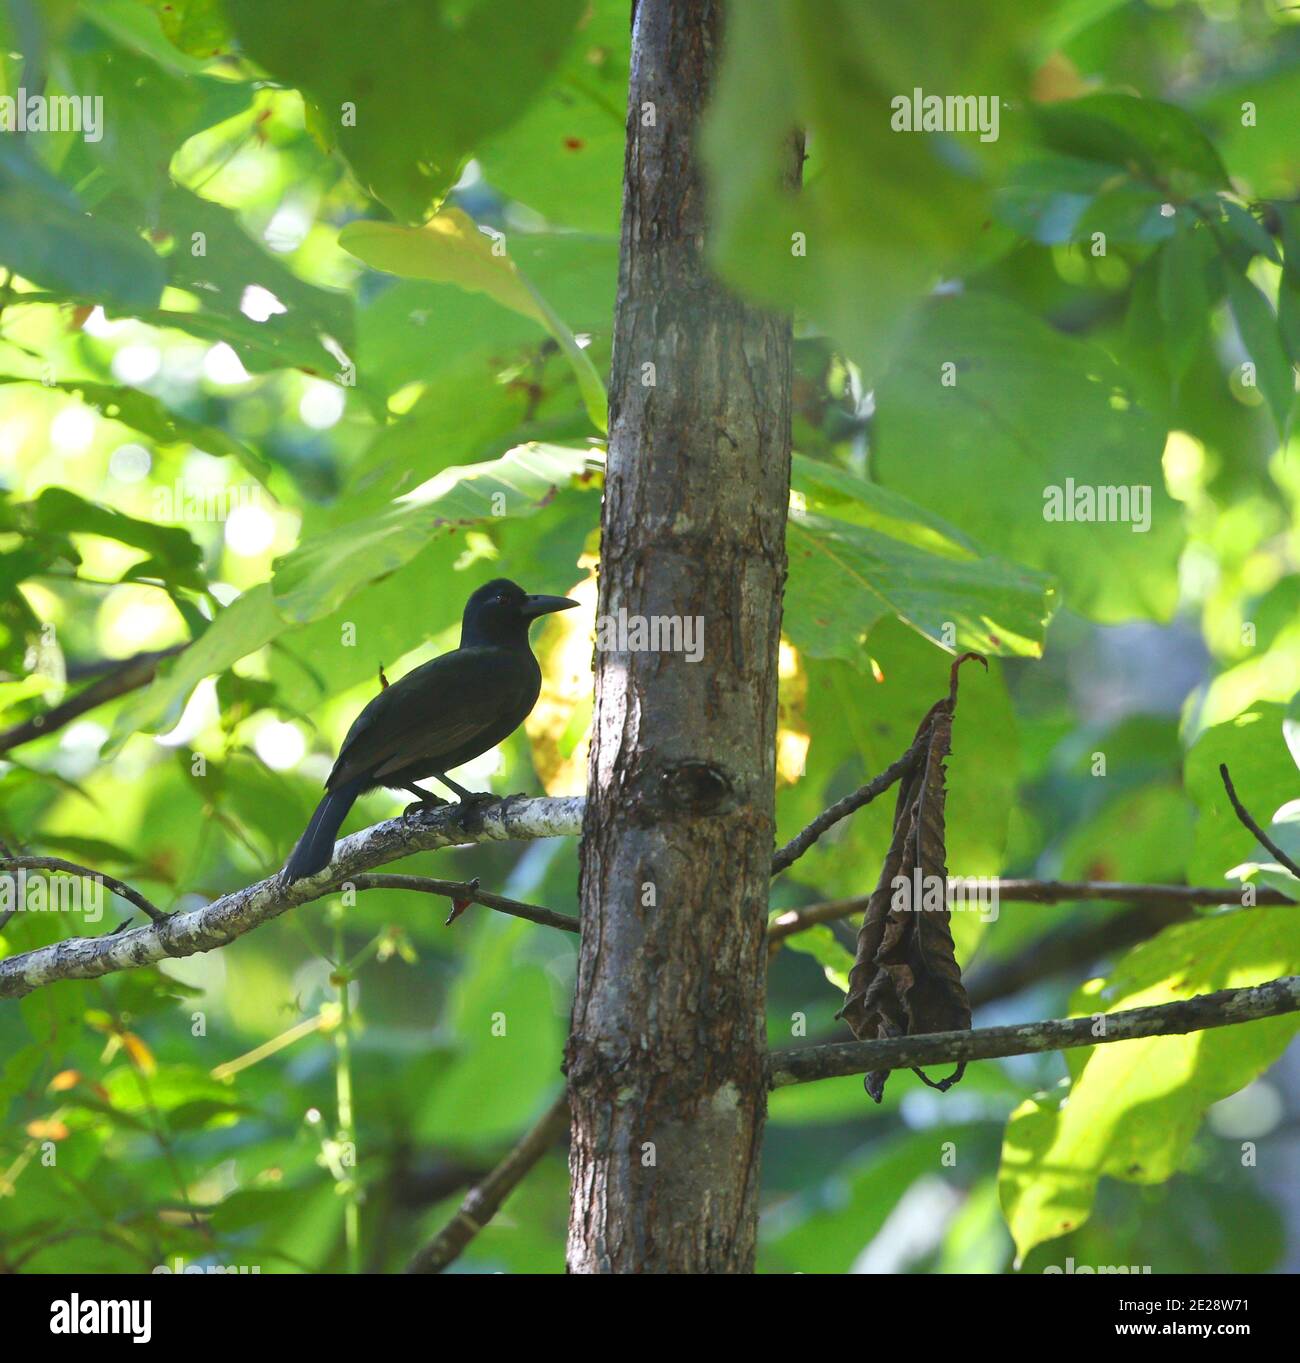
{"x":1262,"y":337}
{"x":1026,"y":416}
{"x":173,"y":555}
{"x":323,"y":572}
{"x":1133,"y":1107}
{"x":241,"y":628}
{"x":416,"y":330}
{"x":47,"y":237}
{"x":876,"y":555}
{"x":1139,"y":137}
{"x":408,"y":91}
{"x":564,"y":157}
{"x":449,"y":249}
{"x":1264,"y":775}
{"x":509,"y":1043}
{"x":883,"y":212}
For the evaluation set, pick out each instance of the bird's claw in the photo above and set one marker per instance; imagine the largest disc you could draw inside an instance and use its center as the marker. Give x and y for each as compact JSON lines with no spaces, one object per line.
{"x":470,"y":809}
{"x":413,"y":811}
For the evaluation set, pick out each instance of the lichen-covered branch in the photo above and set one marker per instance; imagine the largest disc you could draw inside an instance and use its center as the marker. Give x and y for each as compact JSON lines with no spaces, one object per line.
{"x":216,"y":924}
{"x":1220,"y":1009}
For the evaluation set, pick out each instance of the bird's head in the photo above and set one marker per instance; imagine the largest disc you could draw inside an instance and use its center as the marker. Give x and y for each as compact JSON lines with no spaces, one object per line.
{"x":501,"y":611}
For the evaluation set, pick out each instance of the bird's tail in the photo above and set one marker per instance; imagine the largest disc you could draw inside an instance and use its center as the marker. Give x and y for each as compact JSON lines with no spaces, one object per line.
{"x":316,"y":846}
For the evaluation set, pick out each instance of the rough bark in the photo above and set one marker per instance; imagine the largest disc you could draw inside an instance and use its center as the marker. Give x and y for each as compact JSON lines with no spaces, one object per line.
{"x":666,"y":1060}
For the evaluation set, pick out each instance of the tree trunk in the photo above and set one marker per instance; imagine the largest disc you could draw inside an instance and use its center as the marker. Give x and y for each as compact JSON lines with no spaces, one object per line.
{"x":666,"y":1057}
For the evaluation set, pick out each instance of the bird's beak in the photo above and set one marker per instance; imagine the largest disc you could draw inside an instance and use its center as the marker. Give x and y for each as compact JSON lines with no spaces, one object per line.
{"x":544,"y":605}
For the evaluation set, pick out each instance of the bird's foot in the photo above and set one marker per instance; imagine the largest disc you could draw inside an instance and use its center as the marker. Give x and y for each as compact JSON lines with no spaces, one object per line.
{"x":470,"y":809}
{"x":416,"y":809}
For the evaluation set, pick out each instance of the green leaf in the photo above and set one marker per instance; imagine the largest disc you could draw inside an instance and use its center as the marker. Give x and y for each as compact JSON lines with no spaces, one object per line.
{"x":1134,"y":1106}
{"x":47,"y":237}
{"x":449,"y":249}
{"x":1248,"y":230}
{"x":149,"y":114}
{"x":247,"y":624}
{"x":509,"y":1044}
{"x":882,"y":212}
{"x":173,"y":554}
{"x":152,"y":418}
{"x":1260,"y":334}
{"x":821,"y":943}
{"x":322,"y":573}
{"x":1288,"y":298}
{"x":1184,"y":293}
{"x":407,"y":92}
{"x":215,"y":260}
{"x":844,"y":578}
{"x":992,"y":416}
{"x":564,"y":157}
{"x":1264,"y":775}
{"x":1159,"y":141}
{"x":197,"y":27}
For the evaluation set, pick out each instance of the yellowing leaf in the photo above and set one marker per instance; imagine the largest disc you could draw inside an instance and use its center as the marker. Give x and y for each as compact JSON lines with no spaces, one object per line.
{"x":48,"y":1129}
{"x":448,"y":249}
{"x":140,"y":1054}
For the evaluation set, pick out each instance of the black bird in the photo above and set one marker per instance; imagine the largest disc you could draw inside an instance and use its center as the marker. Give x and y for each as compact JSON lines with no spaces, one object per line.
{"x":438,"y":716}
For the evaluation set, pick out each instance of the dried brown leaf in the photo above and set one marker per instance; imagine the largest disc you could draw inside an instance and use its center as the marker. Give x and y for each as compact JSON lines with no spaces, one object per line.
{"x":905,"y":979}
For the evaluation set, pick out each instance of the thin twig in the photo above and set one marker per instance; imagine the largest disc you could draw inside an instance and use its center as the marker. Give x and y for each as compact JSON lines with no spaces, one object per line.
{"x":841,"y":809}
{"x":1244,"y":815}
{"x":1223,"y":1008}
{"x":484,"y":1200}
{"x":465,"y":890}
{"x":119,"y":887}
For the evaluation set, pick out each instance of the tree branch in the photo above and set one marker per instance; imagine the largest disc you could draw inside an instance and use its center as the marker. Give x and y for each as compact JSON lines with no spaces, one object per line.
{"x":1223,"y":1008}
{"x":123,"y":677}
{"x":119,"y":887}
{"x":484,"y":1200}
{"x":1040,"y":892}
{"x":467,"y":890}
{"x":841,"y":809}
{"x":234,"y":914}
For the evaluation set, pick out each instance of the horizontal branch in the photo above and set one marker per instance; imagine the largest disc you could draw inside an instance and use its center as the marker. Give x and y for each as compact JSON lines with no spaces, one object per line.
{"x":233,"y":915}
{"x":1015,"y":891}
{"x":1223,"y":1008}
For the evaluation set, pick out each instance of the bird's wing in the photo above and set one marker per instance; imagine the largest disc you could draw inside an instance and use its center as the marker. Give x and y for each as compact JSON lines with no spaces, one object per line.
{"x":432,"y":711}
